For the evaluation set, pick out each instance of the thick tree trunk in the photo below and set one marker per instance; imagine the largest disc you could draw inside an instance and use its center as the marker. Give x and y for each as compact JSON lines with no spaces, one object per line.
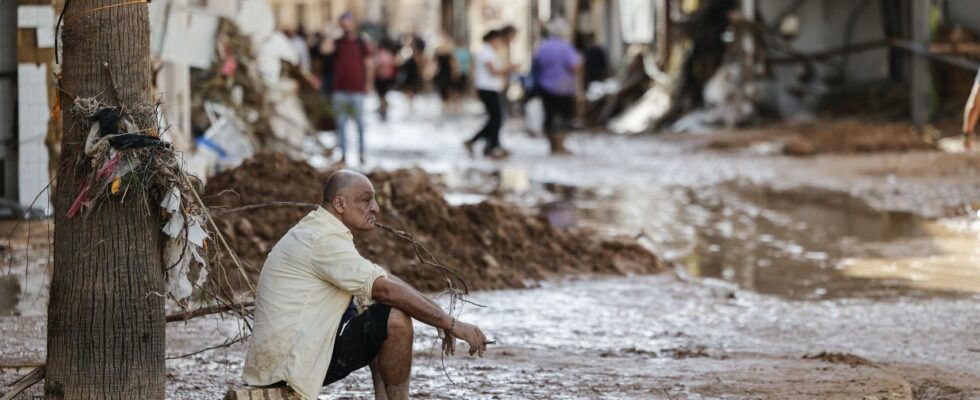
{"x":105,"y":318}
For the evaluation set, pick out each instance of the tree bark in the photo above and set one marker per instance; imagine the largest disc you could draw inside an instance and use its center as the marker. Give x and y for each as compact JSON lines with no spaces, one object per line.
{"x":106,"y":329}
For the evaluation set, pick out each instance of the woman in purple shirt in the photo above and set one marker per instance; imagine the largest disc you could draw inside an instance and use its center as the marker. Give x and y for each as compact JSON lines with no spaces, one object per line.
{"x":557,"y":65}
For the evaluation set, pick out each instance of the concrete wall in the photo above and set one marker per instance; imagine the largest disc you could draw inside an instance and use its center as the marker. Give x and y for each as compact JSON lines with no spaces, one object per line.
{"x":963,"y":12}
{"x":823,"y":25}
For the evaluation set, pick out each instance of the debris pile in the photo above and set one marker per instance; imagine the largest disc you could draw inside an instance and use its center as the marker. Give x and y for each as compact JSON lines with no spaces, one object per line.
{"x":127,"y":160}
{"x":490,"y":245}
{"x":251,"y":94}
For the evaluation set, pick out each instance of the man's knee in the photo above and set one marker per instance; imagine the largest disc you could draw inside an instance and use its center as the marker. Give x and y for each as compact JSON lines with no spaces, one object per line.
{"x":399,"y":323}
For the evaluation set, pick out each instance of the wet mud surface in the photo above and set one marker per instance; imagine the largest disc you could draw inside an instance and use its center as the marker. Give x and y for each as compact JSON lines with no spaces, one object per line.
{"x":641,"y":338}
{"x":653,"y":337}
{"x":827,"y":277}
{"x":799,"y":244}
{"x":827,"y":137}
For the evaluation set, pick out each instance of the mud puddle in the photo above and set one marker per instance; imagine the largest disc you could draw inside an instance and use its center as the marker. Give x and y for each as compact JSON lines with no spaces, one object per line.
{"x":801,"y":244}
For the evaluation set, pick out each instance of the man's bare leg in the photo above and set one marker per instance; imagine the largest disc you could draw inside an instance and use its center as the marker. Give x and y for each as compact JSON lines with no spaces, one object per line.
{"x":379,"y":384}
{"x":395,"y":357}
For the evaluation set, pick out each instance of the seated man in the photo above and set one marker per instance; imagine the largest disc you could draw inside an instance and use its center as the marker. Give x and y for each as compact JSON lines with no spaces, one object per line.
{"x":322,"y":311}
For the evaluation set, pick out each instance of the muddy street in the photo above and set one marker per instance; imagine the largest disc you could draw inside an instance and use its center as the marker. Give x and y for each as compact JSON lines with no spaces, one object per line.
{"x":654,"y":337}
{"x":611,"y":199}
{"x":789,"y":277}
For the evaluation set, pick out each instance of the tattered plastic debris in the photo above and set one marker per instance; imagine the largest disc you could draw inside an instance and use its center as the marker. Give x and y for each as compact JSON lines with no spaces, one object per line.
{"x":171,"y":201}
{"x":178,"y":256}
{"x":644,"y":114}
{"x":187,"y":241}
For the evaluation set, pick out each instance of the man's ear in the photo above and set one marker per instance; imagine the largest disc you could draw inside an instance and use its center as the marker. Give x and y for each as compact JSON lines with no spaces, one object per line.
{"x":338,"y":204}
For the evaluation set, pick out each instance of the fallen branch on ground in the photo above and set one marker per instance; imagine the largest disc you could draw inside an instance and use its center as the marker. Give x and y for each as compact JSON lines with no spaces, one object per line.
{"x":24,"y":382}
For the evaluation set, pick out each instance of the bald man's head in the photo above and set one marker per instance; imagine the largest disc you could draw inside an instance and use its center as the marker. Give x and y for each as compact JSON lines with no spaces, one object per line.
{"x":349,"y":196}
{"x":339,"y":181}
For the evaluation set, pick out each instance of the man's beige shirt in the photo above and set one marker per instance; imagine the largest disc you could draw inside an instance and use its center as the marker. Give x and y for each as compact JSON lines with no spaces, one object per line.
{"x":304,"y":288}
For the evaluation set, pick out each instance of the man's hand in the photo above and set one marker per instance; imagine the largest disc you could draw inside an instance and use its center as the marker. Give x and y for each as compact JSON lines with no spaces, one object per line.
{"x":470,"y":334}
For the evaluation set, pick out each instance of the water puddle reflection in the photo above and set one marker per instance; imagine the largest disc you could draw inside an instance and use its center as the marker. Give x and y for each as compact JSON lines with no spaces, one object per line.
{"x":801,"y":244}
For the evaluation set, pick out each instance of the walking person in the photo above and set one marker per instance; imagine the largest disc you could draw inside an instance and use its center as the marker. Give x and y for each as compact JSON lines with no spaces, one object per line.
{"x":327,"y":50}
{"x":443,"y":80}
{"x":488,"y":76}
{"x":463,"y":61}
{"x":596,"y":65}
{"x":385,"y":70}
{"x":558,"y":65}
{"x":353,"y":72}
{"x":410,"y":68}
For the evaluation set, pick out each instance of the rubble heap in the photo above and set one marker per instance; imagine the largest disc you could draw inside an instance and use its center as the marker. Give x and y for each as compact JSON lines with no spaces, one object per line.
{"x":490,"y":245}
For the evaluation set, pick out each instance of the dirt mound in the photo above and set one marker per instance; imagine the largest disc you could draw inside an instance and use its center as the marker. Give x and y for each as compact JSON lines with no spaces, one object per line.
{"x":490,"y":245}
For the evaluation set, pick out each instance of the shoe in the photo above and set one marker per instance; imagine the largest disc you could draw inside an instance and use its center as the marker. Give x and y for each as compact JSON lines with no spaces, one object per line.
{"x":497,"y":154}
{"x":557,"y":143}
{"x":469,"y":147}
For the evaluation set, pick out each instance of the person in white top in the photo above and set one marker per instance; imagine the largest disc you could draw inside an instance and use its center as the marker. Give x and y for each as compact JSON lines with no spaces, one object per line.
{"x":322,"y":311}
{"x":488,"y":77}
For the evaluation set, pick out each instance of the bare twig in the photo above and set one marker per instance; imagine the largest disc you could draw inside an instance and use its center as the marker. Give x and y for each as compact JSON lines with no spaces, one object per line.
{"x":264,"y":205}
{"x":13,"y":230}
{"x":227,"y":343}
{"x":112,"y":83}
{"x":422,"y":254}
{"x":200,"y":312}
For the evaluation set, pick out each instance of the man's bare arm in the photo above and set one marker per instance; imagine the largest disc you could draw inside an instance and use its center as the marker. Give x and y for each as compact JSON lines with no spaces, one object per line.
{"x":427,"y":298}
{"x":405,"y":298}
{"x":448,"y":341}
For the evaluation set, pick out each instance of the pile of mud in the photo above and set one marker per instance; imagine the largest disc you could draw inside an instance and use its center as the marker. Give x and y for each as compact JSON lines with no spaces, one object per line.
{"x":838,"y":137}
{"x":490,"y":245}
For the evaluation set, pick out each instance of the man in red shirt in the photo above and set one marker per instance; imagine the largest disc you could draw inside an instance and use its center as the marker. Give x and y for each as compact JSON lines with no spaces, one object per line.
{"x":352,"y":76}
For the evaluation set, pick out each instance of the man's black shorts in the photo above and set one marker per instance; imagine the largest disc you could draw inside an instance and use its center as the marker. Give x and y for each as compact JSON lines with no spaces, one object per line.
{"x":358,"y":342}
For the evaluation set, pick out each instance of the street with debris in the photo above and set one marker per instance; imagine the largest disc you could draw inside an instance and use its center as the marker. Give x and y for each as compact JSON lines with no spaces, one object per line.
{"x":489,"y":199}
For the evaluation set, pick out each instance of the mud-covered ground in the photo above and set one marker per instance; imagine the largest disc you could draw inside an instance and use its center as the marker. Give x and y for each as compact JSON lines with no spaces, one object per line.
{"x":846,"y":276}
{"x":651,"y":337}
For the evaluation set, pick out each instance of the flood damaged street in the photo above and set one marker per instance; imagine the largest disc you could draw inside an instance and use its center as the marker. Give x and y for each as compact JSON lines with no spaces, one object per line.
{"x":489,"y":199}
{"x":819,"y":277}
